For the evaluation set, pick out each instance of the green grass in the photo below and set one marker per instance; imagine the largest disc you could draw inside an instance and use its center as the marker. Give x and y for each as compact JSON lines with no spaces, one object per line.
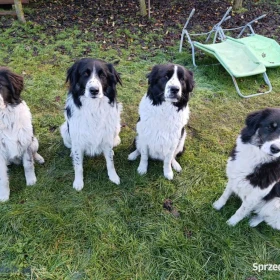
{"x":50,"y":231}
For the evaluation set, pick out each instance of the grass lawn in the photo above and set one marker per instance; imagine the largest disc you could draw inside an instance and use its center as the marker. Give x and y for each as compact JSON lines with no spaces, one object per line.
{"x":50,"y":231}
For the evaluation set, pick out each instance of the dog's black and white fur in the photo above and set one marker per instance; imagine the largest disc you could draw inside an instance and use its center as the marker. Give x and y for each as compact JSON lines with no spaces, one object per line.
{"x":17,"y":142}
{"x":164,"y":112}
{"x":253,"y":170}
{"x":92,"y":115}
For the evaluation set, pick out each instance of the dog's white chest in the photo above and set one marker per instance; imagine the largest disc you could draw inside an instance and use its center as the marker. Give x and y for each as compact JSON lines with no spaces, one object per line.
{"x":2,"y":125}
{"x":160,"y":126}
{"x":7,"y":120}
{"x":94,"y":124}
{"x":247,"y":157}
{"x":15,"y":131}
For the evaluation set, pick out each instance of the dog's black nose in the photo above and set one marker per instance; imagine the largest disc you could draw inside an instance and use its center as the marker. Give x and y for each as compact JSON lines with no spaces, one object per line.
{"x":174,"y":90}
{"x":274,"y":149}
{"x":94,"y":90}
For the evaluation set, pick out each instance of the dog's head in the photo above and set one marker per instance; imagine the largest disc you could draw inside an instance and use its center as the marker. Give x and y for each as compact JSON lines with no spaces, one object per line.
{"x":92,"y":78}
{"x":171,"y":83}
{"x":263,"y":130}
{"x":11,"y":86}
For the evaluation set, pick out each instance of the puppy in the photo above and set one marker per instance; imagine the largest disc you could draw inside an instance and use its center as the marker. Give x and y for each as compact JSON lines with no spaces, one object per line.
{"x":92,"y":115}
{"x":17,"y":142}
{"x":164,"y":112}
{"x":253,"y":170}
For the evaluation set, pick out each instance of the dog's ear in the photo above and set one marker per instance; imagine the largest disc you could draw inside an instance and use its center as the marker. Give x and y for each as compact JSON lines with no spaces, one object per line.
{"x":16,"y":85}
{"x":73,"y":75}
{"x":152,"y":75}
{"x":252,"y":124}
{"x":253,"y":119}
{"x":189,"y":81}
{"x":115,"y":75}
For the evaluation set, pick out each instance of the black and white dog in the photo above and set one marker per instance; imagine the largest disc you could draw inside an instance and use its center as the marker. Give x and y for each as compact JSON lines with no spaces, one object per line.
{"x":17,"y":142}
{"x":92,"y":115}
{"x":253,"y":170}
{"x":164,"y":112}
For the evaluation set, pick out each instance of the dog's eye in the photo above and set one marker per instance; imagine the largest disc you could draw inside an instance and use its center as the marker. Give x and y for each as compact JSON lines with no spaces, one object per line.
{"x":101,"y":74}
{"x":272,"y":126}
{"x":87,"y":73}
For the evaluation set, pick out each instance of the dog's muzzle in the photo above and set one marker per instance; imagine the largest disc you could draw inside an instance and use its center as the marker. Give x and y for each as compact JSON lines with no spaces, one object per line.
{"x":173,"y":93}
{"x":94,"y":91}
{"x":275,"y":149}
{"x":272,"y":148}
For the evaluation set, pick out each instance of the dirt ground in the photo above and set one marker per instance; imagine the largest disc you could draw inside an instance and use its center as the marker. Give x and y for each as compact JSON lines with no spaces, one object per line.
{"x":107,"y":19}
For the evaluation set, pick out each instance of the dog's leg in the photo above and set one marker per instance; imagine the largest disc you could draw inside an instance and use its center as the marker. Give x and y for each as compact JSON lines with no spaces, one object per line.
{"x":4,"y":181}
{"x":167,"y":170}
{"x":255,"y":220}
{"x":180,"y":148}
{"x":245,"y":209}
{"x":109,"y":155}
{"x":34,"y":147}
{"x":220,"y":203}
{"x":29,"y":170}
{"x":143,"y":165}
{"x":78,"y":156}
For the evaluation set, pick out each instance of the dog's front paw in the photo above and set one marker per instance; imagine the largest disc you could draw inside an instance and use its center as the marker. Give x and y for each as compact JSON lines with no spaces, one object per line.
{"x":169,"y":175}
{"x":78,"y":185}
{"x":142,"y":169}
{"x":31,"y":180}
{"x":115,"y":178}
{"x":4,"y":195}
{"x":218,"y":205}
{"x":232,"y":221}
